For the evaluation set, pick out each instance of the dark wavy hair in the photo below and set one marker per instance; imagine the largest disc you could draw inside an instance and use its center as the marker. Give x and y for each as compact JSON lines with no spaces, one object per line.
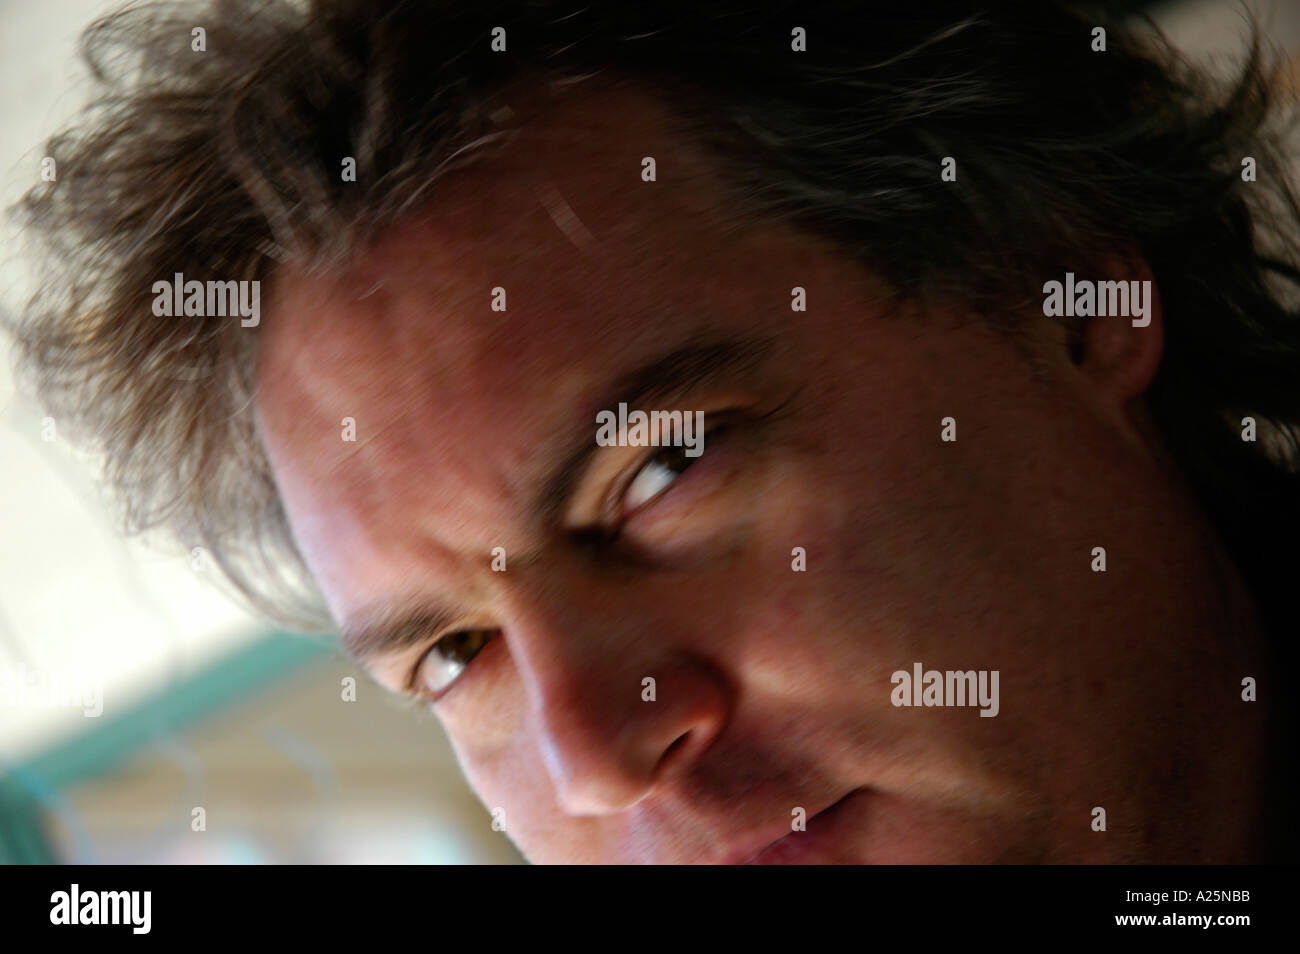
{"x":225,"y":162}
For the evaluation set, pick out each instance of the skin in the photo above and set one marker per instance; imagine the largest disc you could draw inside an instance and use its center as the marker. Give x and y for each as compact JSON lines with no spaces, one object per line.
{"x":773,"y":687}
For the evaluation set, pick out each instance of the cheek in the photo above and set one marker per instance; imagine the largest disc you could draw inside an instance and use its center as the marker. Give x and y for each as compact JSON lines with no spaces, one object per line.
{"x":498,"y":753}
{"x":813,"y":534}
{"x":509,"y":782}
{"x":802,"y":613}
{"x":485,"y":719}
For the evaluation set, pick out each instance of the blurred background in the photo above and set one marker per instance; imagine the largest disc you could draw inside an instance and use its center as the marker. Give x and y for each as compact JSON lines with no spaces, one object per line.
{"x":133,"y":694}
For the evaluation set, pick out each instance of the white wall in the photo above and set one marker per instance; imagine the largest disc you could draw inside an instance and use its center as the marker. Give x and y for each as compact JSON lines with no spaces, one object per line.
{"x":73,"y":595}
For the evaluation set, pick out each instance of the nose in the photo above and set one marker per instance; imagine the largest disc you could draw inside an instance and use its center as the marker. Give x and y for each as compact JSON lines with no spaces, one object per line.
{"x":617,"y":700}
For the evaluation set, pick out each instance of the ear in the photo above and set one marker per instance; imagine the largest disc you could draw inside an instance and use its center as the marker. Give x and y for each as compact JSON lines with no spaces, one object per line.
{"x":1120,"y":354}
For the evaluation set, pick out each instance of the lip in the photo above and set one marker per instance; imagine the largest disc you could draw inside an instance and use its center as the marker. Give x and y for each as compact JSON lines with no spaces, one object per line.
{"x":825,"y":829}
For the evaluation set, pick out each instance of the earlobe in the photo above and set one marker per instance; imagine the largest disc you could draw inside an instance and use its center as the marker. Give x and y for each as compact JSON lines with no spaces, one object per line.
{"x":1123,"y":340}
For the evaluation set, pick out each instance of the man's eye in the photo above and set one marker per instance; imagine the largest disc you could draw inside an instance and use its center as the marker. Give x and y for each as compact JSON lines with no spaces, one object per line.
{"x":655,"y":477}
{"x":447,"y":659}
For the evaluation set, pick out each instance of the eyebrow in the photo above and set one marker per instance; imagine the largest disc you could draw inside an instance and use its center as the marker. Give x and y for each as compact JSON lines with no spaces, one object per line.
{"x":392,"y":628}
{"x":666,"y":378}
{"x":387,"y":629}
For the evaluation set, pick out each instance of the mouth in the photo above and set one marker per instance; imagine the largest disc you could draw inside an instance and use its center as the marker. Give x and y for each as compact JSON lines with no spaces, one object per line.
{"x":825,"y":830}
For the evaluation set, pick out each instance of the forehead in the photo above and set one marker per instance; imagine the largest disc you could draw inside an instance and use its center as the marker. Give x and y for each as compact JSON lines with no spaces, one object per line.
{"x":558,"y":231}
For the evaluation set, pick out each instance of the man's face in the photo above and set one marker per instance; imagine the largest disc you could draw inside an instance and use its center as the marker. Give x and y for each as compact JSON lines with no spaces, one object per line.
{"x":475,"y":430}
